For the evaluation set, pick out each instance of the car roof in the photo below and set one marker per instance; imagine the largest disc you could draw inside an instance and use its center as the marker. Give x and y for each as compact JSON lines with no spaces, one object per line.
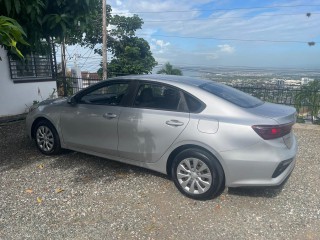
{"x":193,"y":81}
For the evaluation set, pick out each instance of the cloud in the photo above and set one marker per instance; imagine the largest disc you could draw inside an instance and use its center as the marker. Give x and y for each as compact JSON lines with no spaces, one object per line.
{"x":226,"y":48}
{"x":161,"y":43}
{"x":158,"y":45}
{"x":223,"y":36}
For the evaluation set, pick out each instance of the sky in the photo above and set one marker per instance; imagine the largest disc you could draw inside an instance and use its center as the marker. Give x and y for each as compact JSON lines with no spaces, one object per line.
{"x":229,"y":33}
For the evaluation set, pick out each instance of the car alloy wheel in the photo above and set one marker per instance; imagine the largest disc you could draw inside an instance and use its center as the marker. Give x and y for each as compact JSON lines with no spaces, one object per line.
{"x":194,"y":176}
{"x":197,"y":174}
{"x":47,"y":138}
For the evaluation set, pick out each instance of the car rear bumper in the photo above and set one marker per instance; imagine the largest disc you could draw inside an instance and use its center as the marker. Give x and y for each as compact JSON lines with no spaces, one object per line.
{"x":260,"y":165}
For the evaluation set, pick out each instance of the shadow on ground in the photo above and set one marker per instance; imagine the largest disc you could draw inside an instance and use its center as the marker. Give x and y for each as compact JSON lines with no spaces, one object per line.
{"x":256,"y":192}
{"x":18,"y":151}
{"x":87,"y":168}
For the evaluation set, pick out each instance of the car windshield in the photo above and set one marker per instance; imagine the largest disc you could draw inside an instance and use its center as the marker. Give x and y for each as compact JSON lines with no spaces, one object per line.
{"x":232,"y":95}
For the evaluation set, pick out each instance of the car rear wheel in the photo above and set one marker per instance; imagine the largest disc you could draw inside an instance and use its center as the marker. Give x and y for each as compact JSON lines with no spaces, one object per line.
{"x":47,"y":138}
{"x":197,"y":174}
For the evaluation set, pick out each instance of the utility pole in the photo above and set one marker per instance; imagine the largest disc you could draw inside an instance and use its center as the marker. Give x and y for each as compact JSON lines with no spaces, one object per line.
{"x":104,"y":39}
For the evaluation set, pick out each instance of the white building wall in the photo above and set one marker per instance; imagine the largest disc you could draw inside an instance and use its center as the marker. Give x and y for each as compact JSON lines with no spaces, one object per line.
{"x":15,"y":98}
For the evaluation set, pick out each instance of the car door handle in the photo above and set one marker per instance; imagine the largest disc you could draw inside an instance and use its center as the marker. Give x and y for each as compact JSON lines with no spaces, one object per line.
{"x":174,"y":123}
{"x":109,"y":115}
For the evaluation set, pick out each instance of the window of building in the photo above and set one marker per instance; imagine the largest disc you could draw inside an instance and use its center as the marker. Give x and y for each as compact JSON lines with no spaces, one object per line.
{"x":31,"y":68}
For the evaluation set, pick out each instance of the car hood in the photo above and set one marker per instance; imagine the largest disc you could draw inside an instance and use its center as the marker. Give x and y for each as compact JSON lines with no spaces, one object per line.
{"x":280,"y":113}
{"x":53,"y":101}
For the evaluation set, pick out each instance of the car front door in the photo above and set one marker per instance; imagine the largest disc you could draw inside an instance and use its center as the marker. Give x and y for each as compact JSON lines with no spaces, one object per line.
{"x":148,"y":128}
{"x":90,"y":123}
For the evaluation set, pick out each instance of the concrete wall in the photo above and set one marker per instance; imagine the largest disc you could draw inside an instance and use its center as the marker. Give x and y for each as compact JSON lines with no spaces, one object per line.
{"x":15,"y":97}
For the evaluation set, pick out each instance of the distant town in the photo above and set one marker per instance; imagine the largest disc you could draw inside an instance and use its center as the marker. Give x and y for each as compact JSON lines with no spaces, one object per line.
{"x":263,"y":78}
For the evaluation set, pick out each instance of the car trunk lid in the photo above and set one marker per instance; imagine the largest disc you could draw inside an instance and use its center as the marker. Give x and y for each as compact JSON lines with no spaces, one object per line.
{"x":284,"y":116}
{"x":280,"y":113}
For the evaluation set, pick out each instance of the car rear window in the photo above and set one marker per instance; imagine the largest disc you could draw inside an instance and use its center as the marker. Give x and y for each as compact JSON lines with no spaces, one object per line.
{"x":232,"y":95}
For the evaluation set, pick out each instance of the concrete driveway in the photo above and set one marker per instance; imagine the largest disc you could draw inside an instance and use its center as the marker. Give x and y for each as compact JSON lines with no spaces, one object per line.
{"x":77,"y":196}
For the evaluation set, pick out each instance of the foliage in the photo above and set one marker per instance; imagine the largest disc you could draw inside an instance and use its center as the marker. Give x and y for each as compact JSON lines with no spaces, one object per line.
{"x":69,"y":85}
{"x":130,"y":54}
{"x":67,"y":17}
{"x":45,"y":19}
{"x":169,"y":70}
{"x":11,"y":33}
{"x":309,"y":96}
{"x":300,"y":120}
{"x":79,"y":21}
{"x":90,"y":34}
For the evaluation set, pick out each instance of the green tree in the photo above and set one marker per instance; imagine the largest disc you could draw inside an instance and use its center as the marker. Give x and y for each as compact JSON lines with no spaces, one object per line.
{"x":130,"y":54}
{"x":89,"y":32}
{"x":75,"y":21}
{"x":169,"y":70}
{"x":11,"y":33}
{"x":45,"y":19}
{"x":309,"y":96}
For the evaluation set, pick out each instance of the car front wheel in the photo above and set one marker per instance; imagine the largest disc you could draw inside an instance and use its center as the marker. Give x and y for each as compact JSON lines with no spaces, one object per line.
{"x":47,"y":138}
{"x":197,"y":174}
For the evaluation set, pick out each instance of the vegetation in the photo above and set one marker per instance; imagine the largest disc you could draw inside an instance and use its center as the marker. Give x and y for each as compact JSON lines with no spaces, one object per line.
{"x":309,"y":96}
{"x":79,"y":22}
{"x":45,"y":20}
{"x":130,"y":54}
{"x":169,"y":70}
{"x":11,"y":33}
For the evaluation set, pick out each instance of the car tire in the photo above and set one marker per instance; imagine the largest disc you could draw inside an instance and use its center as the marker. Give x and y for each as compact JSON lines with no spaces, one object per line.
{"x":197,"y":174}
{"x":47,"y":138}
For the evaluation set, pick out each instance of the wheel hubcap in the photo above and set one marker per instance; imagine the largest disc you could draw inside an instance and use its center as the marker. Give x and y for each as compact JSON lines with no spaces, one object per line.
{"x":45,"y":138}
{"x":194,"y":176}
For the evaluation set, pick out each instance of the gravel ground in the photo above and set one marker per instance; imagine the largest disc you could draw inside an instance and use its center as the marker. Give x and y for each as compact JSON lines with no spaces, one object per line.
{"x":77,"y":196}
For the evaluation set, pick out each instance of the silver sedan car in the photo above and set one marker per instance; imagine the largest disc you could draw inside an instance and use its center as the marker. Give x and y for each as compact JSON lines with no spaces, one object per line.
{"x":203,"y":134}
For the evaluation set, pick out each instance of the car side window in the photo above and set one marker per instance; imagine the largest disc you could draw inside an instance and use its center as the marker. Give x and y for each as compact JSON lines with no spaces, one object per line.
{"x":110,"y":94}
{"x":194,"y":105}
{"x":156,"y":96}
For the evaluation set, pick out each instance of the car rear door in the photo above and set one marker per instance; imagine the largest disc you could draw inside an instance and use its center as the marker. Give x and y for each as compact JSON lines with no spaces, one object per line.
{"x":91,"y":123}
{"x":157,"y":117}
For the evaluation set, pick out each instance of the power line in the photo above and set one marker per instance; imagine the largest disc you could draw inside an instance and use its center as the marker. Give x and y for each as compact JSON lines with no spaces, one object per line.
{"x":226,"y":17}
{"x":74,"y":51}
{"x":229,"y":39}
{"x":68,"y":53}
{"x":220,"y":9}
{"x":94,"y":57}
{"x":209,"y":18}
{"x":86,"y":59}
{"x":84,"y":55}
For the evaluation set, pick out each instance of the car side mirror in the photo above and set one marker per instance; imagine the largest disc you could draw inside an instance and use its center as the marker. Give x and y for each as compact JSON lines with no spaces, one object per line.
{"x":72,"y":101}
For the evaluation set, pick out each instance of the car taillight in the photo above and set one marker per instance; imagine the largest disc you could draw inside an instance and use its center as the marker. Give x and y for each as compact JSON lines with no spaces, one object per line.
{"x":268,"y":132}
